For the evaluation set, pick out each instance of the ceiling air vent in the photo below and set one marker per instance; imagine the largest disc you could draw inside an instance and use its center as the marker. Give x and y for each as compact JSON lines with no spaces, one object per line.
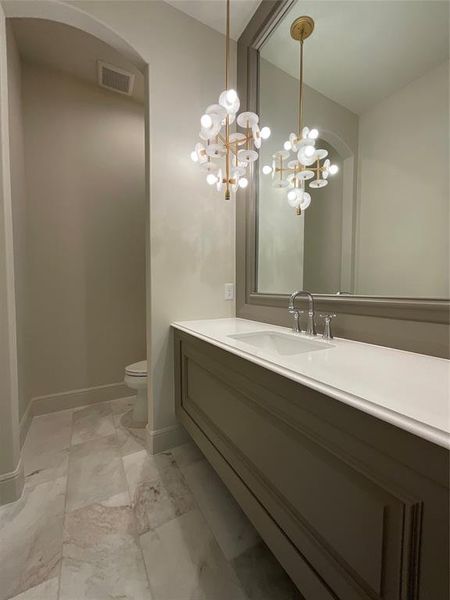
{"x":114,"y":78}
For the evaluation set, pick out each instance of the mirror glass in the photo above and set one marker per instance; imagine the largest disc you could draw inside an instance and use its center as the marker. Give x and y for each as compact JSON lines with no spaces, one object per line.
{"x":376,"y":78}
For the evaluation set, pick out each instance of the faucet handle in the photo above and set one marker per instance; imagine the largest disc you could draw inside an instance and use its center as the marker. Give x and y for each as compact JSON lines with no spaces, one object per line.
{"x":327,"y":333}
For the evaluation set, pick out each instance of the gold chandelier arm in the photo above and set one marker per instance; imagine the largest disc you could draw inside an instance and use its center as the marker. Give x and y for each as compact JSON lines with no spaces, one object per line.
{"x":234,"y":145}
{"x":284,"y":170}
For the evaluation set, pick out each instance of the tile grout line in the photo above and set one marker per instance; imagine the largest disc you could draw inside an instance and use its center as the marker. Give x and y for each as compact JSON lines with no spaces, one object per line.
{"x":71,"y":446}
{"x":138,"y":537}
{"x":210,"y":529}
{"x":196,"y":507}
{"x":200,"y":510}
{"x":175,"y":517}
{"x":65,"y":507}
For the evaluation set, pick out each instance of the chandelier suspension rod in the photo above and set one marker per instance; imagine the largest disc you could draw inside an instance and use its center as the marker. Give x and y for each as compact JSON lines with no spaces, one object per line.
{"x":227,"y":123}
{"x":300,"y":100}
{"x":227,"y":43}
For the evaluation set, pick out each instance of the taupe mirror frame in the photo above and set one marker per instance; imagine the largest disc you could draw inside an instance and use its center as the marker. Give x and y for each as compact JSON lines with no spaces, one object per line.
{"x":419,"y":325}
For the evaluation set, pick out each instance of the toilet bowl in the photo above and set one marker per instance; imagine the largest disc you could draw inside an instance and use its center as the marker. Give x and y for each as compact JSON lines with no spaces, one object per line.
{"x":136,"y":379}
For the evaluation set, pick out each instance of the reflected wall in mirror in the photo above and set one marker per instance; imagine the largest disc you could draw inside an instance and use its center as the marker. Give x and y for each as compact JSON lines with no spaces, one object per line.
{"x":376,"y":87}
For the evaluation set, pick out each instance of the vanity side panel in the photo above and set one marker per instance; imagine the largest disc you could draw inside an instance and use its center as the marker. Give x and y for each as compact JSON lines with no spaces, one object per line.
{"x":224,"y":397}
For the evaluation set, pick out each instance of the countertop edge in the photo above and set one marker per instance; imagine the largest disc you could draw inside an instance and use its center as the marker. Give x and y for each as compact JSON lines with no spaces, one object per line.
{"x":404,"y":422}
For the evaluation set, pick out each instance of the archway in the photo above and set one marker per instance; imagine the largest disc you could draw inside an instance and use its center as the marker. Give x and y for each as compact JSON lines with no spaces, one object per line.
{"x":11,"y":471}
{"x":75,"y":17}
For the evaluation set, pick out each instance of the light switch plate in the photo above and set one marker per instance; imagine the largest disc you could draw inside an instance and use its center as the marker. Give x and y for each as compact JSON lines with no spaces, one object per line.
{"x":228,"y":291}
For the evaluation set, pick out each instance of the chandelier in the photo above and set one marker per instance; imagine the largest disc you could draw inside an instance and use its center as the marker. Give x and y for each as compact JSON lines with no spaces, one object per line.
{"x":223,"y":154}
{"x":292,"y":173}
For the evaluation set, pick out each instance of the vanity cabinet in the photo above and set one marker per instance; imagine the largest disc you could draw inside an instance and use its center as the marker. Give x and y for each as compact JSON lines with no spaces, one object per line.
{"x":353,"y":507}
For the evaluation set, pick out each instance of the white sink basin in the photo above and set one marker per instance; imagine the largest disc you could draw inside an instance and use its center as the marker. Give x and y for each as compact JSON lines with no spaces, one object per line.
{"x":282,"y":344}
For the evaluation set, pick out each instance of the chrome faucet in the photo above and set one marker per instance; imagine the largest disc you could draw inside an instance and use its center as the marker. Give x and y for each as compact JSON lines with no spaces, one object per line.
{"x":311,"y":327}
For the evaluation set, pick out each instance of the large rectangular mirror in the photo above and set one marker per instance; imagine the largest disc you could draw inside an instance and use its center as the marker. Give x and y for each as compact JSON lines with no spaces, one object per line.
{"x":376,"y":86}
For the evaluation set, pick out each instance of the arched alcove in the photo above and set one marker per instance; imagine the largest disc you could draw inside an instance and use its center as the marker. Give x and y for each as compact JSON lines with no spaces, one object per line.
{"x":11,"y":470}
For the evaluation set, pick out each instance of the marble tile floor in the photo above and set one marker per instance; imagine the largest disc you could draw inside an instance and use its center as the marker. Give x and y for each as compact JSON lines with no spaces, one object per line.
{"x":100,"y":519}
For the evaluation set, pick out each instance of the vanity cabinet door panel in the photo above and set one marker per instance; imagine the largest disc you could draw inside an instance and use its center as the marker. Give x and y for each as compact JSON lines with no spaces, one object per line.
{"x":357,"y":530}
{"x":329,"y":507}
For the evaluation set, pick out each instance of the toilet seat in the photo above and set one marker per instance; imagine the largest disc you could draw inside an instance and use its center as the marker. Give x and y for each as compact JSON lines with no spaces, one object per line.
{"x":138,"y":369}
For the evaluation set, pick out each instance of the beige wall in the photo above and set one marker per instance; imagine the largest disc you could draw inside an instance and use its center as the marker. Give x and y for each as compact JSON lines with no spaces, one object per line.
{"x":19,"y":209}
{"x":192,"y":227}
{"x":84,"y":153}
{"x":403,"y":235}
{"x":9,"y":411}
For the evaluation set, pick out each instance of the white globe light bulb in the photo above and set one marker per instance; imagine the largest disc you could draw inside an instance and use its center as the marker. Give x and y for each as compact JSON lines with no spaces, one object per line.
{"x":265,"y":133}
{"x":231,"y":96}
{"x":206,"y":121}
{"x":287,"y":145}
{"x":243,"y":182}
{"x":194,"y":156}
{"x":266,"y":169}
{"x":293,"y":198}
{"x":333,"y":169}
{"x":309,"y":151}
{"x":211,"y":179}
{"x":313,"y":134}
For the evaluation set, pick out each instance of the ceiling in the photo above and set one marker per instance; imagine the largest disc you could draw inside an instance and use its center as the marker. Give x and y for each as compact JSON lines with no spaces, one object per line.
{"x":212,"y":13}
{"x":362,"y":52}
{"x":69,"y":50}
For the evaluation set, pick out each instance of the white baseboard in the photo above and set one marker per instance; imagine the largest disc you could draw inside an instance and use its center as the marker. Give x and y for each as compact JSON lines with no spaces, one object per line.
{"x":11,"y":485}
{"x":72,"y":399}
{"x":161,"y":440}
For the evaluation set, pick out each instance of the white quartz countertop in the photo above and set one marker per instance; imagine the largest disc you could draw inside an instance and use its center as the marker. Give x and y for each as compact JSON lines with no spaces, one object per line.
{"x":405,"y":389}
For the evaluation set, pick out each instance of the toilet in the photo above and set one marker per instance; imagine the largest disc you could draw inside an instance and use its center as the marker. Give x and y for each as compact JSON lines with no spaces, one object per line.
{"x":136,"y":379}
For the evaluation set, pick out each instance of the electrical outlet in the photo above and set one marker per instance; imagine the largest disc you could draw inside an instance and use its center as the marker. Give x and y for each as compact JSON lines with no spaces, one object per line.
{"x":229,"y":291}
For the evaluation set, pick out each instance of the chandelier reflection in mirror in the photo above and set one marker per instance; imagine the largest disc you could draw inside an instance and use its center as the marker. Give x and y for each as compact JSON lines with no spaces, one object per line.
{"x":225,"y":156}
{"x":293,"y":173}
